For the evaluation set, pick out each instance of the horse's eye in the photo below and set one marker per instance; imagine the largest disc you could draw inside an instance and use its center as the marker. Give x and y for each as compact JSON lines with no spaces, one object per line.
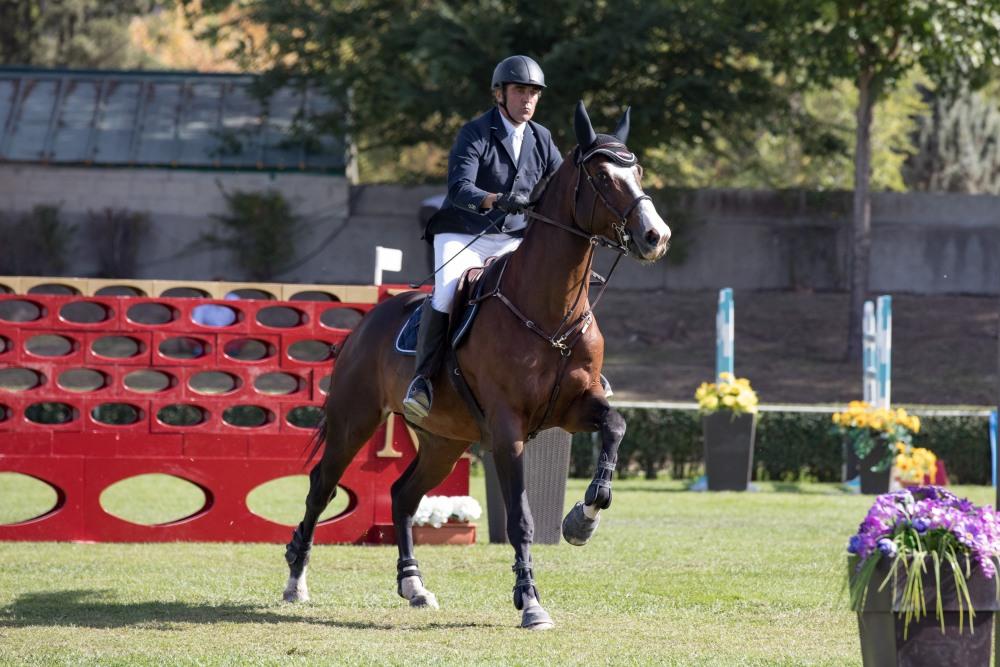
{"x":603,"y":175}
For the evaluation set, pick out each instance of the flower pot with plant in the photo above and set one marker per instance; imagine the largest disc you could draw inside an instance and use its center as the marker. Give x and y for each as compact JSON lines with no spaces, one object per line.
{"x":729,"y":420}
{"x":914,"y":466}
{"x":873,"y":435}
{"x":924,"y":549}
{"x":446,"y":520}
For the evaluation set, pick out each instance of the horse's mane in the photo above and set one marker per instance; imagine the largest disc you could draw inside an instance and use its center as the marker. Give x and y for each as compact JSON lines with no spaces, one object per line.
{"x":541,"y":188}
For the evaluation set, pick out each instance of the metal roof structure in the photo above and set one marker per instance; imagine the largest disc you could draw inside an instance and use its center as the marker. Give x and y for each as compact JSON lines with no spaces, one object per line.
{"x":110,"y":118}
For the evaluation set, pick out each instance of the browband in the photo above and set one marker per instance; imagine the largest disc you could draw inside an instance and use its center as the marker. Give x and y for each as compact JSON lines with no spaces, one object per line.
{"x":616,"y":152}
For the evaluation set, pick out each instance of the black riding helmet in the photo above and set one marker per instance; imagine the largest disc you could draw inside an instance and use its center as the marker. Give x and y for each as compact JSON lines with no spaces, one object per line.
{"x":518,"y":69}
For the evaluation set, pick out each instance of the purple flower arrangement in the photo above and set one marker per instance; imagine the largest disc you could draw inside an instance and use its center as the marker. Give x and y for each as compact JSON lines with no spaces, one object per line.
{"x":920,"y":526}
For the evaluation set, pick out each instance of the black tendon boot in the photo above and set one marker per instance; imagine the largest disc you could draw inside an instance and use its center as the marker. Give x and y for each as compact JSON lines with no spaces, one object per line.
{"x":430,"y":351}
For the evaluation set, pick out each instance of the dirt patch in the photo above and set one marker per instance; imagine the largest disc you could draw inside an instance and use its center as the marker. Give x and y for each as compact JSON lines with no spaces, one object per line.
{"x":661,"y":345}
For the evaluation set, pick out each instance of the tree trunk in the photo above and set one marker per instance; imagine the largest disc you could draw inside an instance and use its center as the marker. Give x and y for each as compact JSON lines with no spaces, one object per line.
{"x":861,"y":227}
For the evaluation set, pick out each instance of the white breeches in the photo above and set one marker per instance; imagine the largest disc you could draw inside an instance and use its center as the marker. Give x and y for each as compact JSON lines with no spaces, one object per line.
{"x":447,"y":245}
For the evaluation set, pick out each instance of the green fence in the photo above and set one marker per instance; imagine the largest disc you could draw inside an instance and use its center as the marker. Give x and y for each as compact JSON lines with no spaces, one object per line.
{"x":790,"y":446}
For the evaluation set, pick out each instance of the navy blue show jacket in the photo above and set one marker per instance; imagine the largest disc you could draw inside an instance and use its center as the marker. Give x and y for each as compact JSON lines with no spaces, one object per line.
{"x":482,"y":162}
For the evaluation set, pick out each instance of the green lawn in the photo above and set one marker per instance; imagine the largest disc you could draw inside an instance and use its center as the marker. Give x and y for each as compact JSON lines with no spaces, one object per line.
{"x":671,"y":578}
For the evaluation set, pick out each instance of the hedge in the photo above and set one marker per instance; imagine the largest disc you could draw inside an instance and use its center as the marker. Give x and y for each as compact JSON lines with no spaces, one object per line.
{"x":790,"y":446}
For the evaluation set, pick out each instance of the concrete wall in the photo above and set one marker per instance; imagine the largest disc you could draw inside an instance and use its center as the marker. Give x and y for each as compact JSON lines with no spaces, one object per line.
{"x":180,"y":204}
{"x":923,"y":243}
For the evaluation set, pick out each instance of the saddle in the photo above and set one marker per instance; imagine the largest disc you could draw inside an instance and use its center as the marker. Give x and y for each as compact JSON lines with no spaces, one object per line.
{"x":475,"y":285}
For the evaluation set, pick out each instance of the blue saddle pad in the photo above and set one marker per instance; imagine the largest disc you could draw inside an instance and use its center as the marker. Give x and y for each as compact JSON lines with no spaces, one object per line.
{"x":472,"y":285}
{"x":406,"y":340}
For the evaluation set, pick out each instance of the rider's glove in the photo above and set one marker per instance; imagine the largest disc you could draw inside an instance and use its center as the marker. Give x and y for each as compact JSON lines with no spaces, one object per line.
{"x":510,"y":202}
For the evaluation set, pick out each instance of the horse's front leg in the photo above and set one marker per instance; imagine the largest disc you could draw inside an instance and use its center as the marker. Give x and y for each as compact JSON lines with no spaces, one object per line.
{"x":508,"y":453}
{"x":581,"y":521}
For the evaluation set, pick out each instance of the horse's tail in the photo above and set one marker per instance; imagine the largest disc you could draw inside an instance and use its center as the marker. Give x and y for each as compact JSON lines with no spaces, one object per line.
{"x":318,"y":438}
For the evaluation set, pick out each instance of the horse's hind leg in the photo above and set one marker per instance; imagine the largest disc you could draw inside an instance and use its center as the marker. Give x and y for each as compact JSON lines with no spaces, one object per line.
{"x":595,"y":414}
{"x":345,"y":435}
{"x":434,"y":461}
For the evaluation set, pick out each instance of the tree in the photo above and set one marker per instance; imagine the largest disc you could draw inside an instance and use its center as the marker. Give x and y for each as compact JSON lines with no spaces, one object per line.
{"x":411,"y":72}
{"x":812,"y":149}
{"x":875,"y":43}
{"x":70,"y":33}
{"x":958,"y":146}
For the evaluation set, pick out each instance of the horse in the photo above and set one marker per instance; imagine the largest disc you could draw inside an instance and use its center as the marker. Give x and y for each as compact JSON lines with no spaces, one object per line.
{"x":531,"y":361}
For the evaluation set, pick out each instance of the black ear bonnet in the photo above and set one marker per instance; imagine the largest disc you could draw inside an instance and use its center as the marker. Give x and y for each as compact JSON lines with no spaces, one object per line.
{"x":611,"y":146}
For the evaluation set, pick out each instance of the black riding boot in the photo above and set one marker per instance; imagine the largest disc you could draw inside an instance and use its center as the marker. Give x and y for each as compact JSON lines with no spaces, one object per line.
{"x":430,"y":350}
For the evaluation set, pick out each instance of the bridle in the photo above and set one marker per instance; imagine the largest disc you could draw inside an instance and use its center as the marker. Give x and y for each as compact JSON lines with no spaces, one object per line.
{"x":620,"y":155}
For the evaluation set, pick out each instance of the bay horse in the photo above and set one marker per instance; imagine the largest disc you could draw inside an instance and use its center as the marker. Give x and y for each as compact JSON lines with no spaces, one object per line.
{"x":532,"y":360}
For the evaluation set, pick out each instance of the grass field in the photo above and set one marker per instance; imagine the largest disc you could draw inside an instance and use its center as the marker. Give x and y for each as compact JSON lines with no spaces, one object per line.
{"x":671,"y":578}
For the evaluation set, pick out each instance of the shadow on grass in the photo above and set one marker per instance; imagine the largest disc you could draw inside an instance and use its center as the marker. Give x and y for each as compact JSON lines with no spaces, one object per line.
{"x":90,"y":609}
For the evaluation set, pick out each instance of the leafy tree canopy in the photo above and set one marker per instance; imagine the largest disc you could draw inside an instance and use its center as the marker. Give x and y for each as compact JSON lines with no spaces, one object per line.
{"x":412,"y":72}
{"x":70,"y":33}
{"x":952,"y":40}
{"x":818,"y":156}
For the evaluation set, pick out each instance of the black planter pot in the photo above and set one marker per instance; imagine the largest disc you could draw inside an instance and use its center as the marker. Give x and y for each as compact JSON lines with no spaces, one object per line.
{"x":881,"y":627}
{"x":873,"y":483}
{"x":728,"y":449}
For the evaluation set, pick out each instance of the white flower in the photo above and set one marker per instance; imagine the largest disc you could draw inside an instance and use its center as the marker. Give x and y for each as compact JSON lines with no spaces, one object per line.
{"x":465,"y":508}
{"x":436,"y":510}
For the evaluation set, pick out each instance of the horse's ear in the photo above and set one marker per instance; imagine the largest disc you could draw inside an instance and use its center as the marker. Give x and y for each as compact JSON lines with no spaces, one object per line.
{"x":621,"y":132}
{"x":585,"y":135}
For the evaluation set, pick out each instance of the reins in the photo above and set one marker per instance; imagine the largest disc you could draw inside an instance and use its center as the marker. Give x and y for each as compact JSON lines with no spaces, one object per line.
{"x":566,"y":335}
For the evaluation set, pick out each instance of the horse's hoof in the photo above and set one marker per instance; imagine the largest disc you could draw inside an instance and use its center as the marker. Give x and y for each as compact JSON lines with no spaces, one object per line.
{"x":425,"y":600}
{"x":577,"y":528}
{"x":295,"y":594}
{"x":536,"y":618}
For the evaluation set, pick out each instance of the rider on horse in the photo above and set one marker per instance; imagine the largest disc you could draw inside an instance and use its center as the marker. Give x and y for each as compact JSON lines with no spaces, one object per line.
{"x":496,"y":162}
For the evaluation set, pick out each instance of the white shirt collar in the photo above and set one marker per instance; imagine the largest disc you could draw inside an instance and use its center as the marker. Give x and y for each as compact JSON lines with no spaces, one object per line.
{"x":509,"y":126}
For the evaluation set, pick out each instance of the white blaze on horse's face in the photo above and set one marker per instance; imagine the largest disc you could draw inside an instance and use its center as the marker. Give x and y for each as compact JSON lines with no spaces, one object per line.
{"x":650,"y":234}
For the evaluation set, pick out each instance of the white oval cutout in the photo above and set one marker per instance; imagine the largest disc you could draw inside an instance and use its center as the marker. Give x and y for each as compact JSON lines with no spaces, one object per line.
{"x":283,"y":500}
{"x":153,"y":499}
{"x":25,"y":498}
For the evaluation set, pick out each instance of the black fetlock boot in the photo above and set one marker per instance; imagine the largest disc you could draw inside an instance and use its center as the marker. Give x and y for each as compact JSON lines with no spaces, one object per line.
{"x":527,"y":600}
{"x":430,"y":351}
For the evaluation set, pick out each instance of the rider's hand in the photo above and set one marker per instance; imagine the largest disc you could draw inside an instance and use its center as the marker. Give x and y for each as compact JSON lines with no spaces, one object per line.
{"x":510,"y":202}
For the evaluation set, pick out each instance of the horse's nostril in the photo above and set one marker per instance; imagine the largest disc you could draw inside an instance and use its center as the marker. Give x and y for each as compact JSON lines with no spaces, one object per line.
{"x":652,"y":237}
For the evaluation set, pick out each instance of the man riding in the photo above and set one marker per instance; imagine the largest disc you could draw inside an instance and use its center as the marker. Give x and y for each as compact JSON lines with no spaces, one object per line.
{"x":495,"y":163}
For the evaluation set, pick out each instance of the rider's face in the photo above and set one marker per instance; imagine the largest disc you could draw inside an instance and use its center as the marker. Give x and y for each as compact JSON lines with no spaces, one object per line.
{"x":521,"y":101}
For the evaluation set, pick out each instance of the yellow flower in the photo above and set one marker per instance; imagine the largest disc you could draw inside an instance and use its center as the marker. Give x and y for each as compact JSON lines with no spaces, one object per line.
{"x":729,"y":392}
{"x":915,"y":465}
